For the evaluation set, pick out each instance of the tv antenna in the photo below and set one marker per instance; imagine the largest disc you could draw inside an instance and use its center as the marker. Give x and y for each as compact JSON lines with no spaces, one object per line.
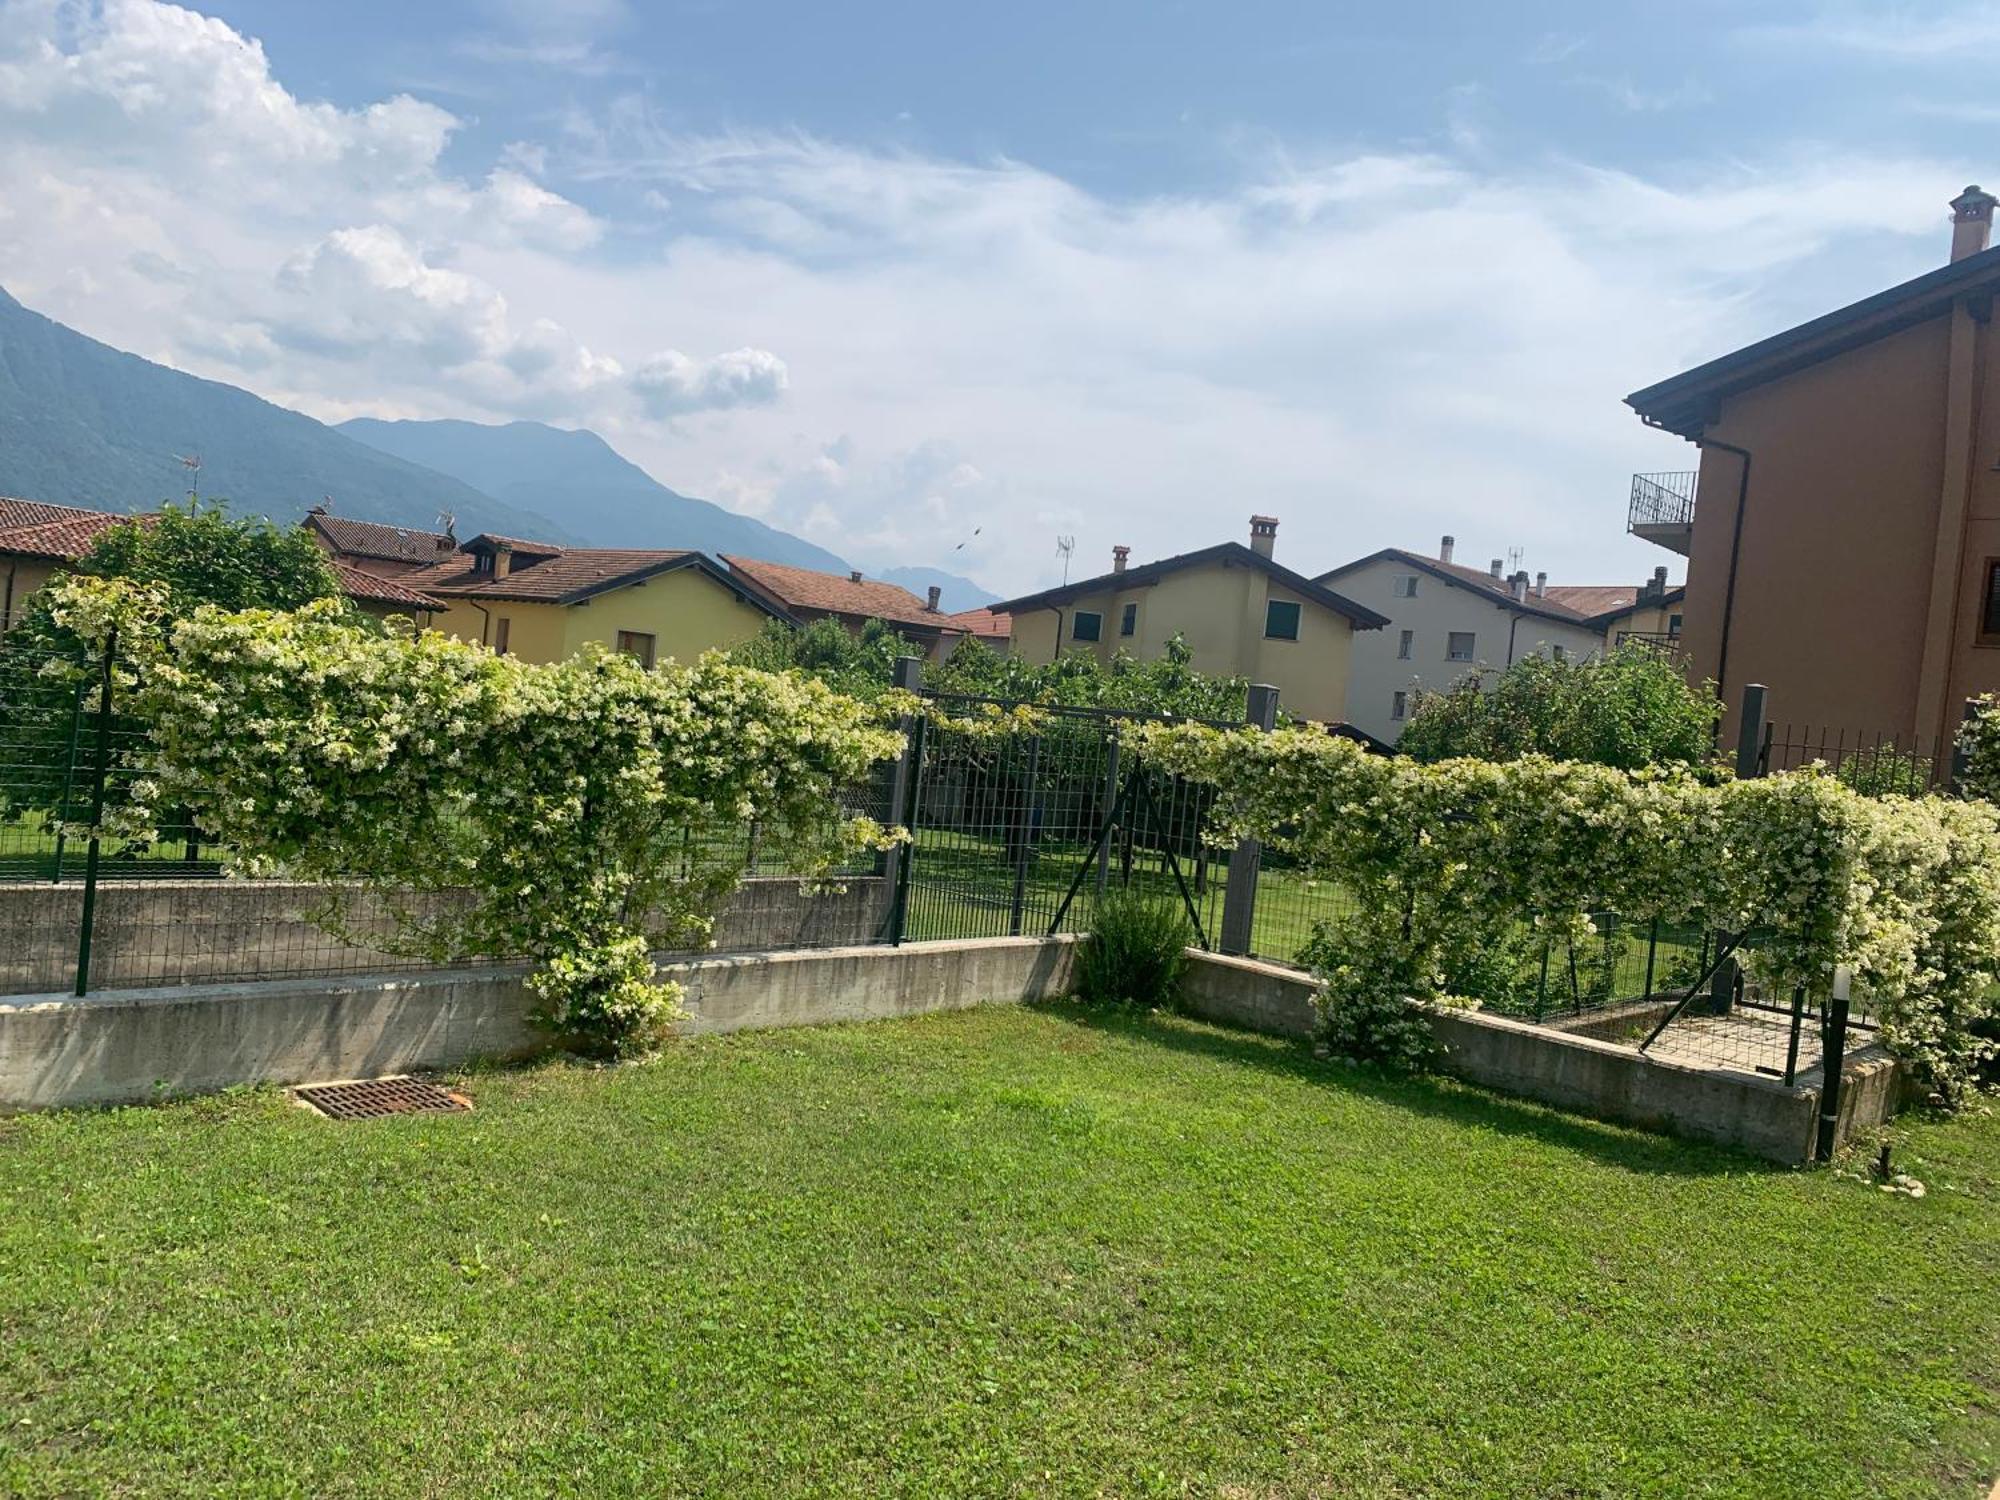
{"x":1065,"y":548}
{"x":1514,"y":556}
{"x":449,"y":522}
{"x":192,"y":463}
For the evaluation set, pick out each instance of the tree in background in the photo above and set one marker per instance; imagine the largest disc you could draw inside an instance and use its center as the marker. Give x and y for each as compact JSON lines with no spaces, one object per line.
{"x":187,"y":556}
{"x":1630,"y":709}
{"x":862,"y":666}
{"x":1168,"y":684}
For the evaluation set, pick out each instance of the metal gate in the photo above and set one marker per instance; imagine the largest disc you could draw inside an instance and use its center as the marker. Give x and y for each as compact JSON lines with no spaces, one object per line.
{"x":1021,"y":832}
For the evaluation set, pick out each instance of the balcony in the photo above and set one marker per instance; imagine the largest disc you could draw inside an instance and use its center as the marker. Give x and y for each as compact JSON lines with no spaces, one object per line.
{"x":1663,"y":510}
{"x":1666,"y":641}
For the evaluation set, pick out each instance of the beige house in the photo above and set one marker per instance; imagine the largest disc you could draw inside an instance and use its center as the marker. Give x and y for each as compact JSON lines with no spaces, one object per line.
{"x":1240,"y":612}
{"x":1843,"y":529}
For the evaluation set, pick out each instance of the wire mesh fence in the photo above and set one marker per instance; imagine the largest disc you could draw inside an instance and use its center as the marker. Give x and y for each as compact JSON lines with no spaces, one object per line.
{"x":87,"y":914}
{"x":1878,"y":764}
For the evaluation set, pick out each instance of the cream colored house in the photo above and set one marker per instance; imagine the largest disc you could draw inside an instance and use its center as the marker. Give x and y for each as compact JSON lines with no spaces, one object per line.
{"x":1240,"y":612}
{"x":1447,"y":621}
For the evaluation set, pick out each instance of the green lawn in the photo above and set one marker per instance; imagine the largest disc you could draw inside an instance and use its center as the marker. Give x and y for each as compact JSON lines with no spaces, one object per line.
{"x":1000,"y":1252}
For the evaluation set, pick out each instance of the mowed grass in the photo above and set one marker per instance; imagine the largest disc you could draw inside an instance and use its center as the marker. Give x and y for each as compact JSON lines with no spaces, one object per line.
{"x":1008,"y":1251}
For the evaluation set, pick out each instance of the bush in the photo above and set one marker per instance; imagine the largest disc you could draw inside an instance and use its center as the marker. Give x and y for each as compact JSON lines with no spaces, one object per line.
{"x":1135,"y":952}
{"x":1630,"y":709}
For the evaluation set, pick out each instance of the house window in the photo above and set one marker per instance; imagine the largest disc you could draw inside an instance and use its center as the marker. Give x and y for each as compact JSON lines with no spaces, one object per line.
{"x":637,"y":645}
{"x":1556,"y":653}
{"x":1405,"y":644}
{"x":1399,"y":706}
{"x":500,"y":632}
{"x":1459,"y":647}
{"x":1086,"y":625}
{"x":1674,"y":626}
{"x":1281,"y":620}
{"x":1404,"y":586}
{"x":1128,"y":619}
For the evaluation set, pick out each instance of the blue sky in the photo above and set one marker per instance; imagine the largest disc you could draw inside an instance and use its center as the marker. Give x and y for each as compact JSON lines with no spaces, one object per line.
{"x":886,"y":273}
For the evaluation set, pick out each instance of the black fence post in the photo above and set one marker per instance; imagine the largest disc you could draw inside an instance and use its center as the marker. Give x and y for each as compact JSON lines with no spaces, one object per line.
{"x":1239,"y":893}
{"x":1961,"y":759}
{"x":1750,"y":731}
{"x":1832,"y":1065}
{"x":910,"y":811}
{"x":87,"y":926}
{"x":909,"y":677}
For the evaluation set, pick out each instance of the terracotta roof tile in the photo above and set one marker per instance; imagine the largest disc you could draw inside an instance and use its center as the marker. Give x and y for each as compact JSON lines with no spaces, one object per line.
{"x":981,"y":622}
{"x":65,"y":539}
{"x":17,"y":513}
{"x":832,"y":593}
{"x":372,"y":539}
{"x":371,"y":589}
{"x":555,"y":579}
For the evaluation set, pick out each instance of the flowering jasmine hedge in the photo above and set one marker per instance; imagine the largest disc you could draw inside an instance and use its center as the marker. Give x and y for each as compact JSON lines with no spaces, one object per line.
{"x":1450,"y":857}
{"x":557,"y":796}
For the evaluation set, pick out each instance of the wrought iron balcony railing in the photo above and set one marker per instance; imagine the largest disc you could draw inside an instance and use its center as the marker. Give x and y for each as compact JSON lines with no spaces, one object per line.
{"x":1660,"y":500}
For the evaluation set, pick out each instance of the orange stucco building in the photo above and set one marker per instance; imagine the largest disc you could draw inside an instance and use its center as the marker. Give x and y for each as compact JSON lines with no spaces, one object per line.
{"x":1844,"y":533}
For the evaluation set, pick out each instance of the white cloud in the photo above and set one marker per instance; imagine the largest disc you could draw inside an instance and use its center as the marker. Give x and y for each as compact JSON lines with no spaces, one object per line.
{"x":1886,"y":33}
{"x":1377,"y":344}
{"x":672,"y":384}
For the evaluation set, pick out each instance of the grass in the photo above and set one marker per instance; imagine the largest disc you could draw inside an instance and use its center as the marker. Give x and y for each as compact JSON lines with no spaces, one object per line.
{"x":1008,"y":1251}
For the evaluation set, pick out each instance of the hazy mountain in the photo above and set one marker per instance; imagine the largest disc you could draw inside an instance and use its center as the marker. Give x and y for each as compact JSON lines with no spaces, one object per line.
{"x":959,"y":592}
{"x":84,"y":424}
{"x":579,"y":476}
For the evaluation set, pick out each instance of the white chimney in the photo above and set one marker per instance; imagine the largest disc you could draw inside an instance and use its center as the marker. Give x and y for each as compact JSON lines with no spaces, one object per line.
{"x":1120,"y":555}
{"x":1541,"y":585}
{"x":1494,"y":567}
{"x":1444,"y":549}
{"x":1520,"y":582}
{"x":1263,"y":535}
{"x":1971,"y":222}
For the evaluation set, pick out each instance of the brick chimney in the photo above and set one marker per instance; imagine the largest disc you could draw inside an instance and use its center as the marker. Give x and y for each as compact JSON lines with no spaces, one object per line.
{"x":931,"y":603}
{"x":1971,"y":222}
{"x":1444,"y":548}
{"x":1541,"y":585}
{"x":503,"y":559}
{"x":1120,"y":555}
{"x":1263,"y":534}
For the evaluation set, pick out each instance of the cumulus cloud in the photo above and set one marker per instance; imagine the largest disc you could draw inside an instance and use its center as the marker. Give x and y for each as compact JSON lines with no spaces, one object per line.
{"x":672,"y":384}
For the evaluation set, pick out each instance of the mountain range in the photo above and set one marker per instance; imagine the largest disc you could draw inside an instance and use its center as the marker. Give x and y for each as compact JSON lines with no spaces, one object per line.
{"x":82,"y":423}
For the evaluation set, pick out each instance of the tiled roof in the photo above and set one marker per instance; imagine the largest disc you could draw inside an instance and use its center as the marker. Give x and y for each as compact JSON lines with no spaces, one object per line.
{"x":64,"y":539}
{"x":372,"y":539}
{"x":371,"y":589}
{"x":981,"y":622}
{"x":568,"y":574}
{"x":832,"y":593}
{"x":16,"y":513}
{"x":1590,"y":599}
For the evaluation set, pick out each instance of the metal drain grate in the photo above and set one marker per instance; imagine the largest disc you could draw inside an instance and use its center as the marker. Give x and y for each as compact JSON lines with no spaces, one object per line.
{"x":374,"y":1097}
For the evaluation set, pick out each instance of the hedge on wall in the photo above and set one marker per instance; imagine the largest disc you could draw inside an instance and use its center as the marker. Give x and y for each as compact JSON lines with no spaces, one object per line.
{"x":1452,"y":856}
{"x":559,"y":796}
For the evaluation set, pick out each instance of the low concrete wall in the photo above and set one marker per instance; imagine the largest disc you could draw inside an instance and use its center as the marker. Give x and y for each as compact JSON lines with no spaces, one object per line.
{"x":140,"y":1044}
{"x":1573,"y":1070}
{"x":162,"y":932}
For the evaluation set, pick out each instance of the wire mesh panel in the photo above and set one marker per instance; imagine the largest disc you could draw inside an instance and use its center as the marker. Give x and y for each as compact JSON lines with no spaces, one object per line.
{"x":1876,"y":765}
{"x":1022,"y":832}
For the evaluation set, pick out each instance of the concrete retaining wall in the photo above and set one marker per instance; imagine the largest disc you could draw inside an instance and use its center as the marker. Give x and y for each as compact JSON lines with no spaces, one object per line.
{"x":164,"y":932}
{"x":1573,"y":1070}
{"x":140,"y":1044}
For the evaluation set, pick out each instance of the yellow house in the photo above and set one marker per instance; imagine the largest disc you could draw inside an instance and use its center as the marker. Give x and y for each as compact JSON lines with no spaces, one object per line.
{"x":542,"y":602}
{"x":1241,"y":614}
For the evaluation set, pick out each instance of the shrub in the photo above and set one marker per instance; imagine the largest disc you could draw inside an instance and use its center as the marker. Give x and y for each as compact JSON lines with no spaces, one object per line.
{"x":1629,"y":709}
{"x":556,"y":797}
{"x":1905,"y":891}
{"x":1135,"y":952}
